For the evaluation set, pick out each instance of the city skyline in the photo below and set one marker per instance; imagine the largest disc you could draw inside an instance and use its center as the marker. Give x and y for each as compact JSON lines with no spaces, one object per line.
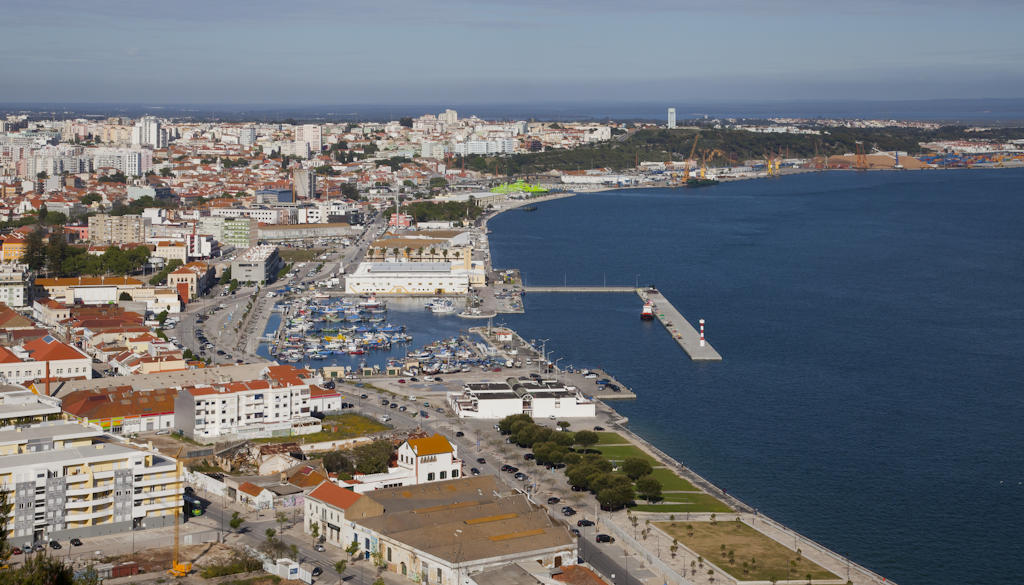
{"x":488,"y":52}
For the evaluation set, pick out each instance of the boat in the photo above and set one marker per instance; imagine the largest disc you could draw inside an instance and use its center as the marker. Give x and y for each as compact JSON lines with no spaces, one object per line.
{"x":441,"y":305}
{"x":530,"y":208}
{"x":695,"y":182}
{"x":647,"y":313}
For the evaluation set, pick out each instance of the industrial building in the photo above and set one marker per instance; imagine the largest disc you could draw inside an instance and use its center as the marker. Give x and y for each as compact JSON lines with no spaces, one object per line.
{"x":407,"y":278}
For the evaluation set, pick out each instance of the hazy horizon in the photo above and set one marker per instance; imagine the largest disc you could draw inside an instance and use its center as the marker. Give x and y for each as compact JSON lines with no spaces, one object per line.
{"x":319,"y":52}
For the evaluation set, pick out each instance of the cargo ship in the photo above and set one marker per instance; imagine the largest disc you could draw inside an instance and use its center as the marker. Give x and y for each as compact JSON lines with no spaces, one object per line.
{"x":647,"y":313}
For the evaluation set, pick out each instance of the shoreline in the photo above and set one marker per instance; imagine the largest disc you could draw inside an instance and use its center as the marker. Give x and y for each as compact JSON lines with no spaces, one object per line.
{"x":857,"y":573}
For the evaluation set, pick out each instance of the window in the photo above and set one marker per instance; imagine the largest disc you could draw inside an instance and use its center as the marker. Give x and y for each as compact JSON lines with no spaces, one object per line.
{"x":430,"y":476}
{"x":455,"y":473}
{"x":444,"y":475}
{"x":389,"y":554}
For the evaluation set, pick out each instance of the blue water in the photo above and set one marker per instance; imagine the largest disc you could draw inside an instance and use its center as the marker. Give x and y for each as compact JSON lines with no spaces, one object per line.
{"x":873,"y":335}
{"x":423,"y":325}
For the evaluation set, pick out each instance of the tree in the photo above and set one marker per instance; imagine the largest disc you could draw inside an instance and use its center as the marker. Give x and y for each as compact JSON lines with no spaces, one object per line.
{"x":616,"y":496}
{"x":281,"y":519}
{"x":438,"y":183}
{"x":271,"y":533}
{"x":165,"y":172}
{"x":649,"y":488}
{"x":236,"y":521}
{"x":562,"y":424}
{"x":636,"y":467}
{"x":353,"y":548}
{"x":405,"y":121}
{"x":5,"y":508}
{"x":339,"y":567}
{"x":225,"y":277}
{"x":55,"y":252}
{"x":162,"y":317}
{"x":124,"y":296}
{"x":314,"y":531}
{"x":350,"y":191}
{"x":90,"y":198}
{"x":35,"y":250}
{"x":338,"y":462}
{"x":586,"y":439}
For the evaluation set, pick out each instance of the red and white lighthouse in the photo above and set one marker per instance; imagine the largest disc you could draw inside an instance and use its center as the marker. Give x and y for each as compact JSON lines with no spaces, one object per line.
{"x":701,"y":332}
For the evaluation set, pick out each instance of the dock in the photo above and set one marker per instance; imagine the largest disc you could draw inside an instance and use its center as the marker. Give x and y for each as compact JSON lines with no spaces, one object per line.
{"x":578,"y":289}
{"x":685,"y":335}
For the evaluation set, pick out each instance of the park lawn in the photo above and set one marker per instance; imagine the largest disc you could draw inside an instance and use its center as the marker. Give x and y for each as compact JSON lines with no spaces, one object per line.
{"x":773,"y":560}
{"x":684,"y":502}
{"x":610,"y":438}
{"x":299,"y":254}
{"x":670,"y":482}
{"x":620,"y":452}
{"x":335,"y":426}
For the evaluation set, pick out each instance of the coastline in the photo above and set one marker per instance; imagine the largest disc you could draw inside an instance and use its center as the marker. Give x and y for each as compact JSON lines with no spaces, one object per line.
{"x":753,"y":517}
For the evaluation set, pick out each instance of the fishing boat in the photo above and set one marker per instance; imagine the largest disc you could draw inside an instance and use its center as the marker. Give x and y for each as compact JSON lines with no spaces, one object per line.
{"x":647,"y":313}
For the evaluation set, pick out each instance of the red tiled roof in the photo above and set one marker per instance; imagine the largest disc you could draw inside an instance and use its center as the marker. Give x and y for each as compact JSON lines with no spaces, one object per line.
{"x":334,"y":495}
{"x":49,"y":349}
{"x":250,"y":488}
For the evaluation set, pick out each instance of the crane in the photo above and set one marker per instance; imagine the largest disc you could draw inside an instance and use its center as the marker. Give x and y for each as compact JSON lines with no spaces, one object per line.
{"x":686,"y":166}
{"x":178,"y":569}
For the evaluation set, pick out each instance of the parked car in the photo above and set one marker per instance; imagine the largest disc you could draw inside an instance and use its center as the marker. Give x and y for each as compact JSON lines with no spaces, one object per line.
{"x":460,"y":434}
{"x":554,"y":500}
{"x":598,"y":428}
{"x":529,"y":456}
{"x":584,"y":522}
{"x":55,"y":545}
{"x":520,"y":476}
{"x":16,"y":551}
{"x":604,"y":538}
{"x":481,"y":460}
{"x":316,"y":572}
{"x":319,"y":548}
{"x":575,"y":532}
{"x":568,"y":512}
{"x":76,"y":542}
{"x":474,"y":471}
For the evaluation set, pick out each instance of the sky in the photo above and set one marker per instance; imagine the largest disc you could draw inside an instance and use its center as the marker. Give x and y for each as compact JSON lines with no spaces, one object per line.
{"x":403,"y":51}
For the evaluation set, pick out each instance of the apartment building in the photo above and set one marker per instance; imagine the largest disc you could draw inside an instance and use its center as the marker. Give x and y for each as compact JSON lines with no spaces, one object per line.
{"x":13,"y":284}
{"x":119,"y":229}
{"x":191,"y":280}
{"x":255,"y":408}
{"x":66,"y":481}
{"x":261,"y":215}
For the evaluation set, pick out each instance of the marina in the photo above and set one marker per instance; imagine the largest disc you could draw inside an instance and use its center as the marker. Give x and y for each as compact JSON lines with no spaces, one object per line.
{"x":690,"y":339}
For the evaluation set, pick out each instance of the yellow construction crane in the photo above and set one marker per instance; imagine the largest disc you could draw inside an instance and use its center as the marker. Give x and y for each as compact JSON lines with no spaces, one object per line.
{"x":178,"y":569}
{"x":686,"y":166}
{"x":706,"y":155}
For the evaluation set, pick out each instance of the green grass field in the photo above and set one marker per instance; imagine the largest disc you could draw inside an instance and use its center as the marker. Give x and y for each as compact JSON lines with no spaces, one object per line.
{"x":620,"y":452}
{"x":684,"y":502}
{"x":610,"y":438}
{"x":340,"y":426}
{"x":670,"y":482}
{"x":299,"y":254}
{"x":765,"y":558}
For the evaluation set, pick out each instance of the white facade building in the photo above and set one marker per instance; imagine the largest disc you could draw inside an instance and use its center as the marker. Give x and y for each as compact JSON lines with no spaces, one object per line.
{"x":39,"y":358}
{"x":544,"y":399}
{"x":420,"y":461}
{"x":262,"y":215}
{"x":417,"y":278}
{"x":13,"y":284}
{"x":671,"y":118}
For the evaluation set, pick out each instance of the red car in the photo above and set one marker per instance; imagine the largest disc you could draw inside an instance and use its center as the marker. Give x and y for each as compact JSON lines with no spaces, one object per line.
{"x":401,"y":381}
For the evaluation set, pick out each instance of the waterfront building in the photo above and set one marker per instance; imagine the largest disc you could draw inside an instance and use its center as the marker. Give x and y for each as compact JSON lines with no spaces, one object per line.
{"x":443,"y":532}
{"x":65,"y":481}
{"x":410,"y":278}
{"x":257,"y":264}
{"x":542,"y":399}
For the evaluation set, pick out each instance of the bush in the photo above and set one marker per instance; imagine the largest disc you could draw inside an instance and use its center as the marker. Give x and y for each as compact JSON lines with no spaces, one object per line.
{"x":239,"y":564}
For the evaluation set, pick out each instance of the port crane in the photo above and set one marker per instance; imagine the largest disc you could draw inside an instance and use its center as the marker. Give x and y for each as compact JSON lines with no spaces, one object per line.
{"x":686,"y":165}
{"x":706,"y":155}
{"x":861,"y":162}
{"x":178,"y":569}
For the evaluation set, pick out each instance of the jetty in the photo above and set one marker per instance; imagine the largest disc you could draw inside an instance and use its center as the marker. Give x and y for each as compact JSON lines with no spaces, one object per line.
{"x":578,"y":289}
{"x":685,"y":335}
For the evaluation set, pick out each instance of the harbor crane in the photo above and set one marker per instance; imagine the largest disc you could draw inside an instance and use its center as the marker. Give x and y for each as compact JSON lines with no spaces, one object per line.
{"x":686,"y":165}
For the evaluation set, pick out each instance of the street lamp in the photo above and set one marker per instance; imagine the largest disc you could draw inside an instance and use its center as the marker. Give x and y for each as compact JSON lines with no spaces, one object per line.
{"x":557,"y":375}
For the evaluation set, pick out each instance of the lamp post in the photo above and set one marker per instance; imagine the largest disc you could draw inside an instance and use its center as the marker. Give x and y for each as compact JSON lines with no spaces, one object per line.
{"x":557,"y":374}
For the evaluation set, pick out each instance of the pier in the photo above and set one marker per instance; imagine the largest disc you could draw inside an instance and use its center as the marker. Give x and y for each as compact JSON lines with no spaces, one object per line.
{"x":685,"y":335}
{"x":578,"y":289}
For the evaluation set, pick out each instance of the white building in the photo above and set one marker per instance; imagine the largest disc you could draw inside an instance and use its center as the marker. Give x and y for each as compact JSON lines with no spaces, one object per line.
{"x":262,"y":215}
{"x":311,"y":135}
{"x":257,"y":264}
{"x":149,"y":132}
{"x":255,"y":408}
{"x":417,"y":278}
{"x":544,"y":399}
{"x":420,"y":460}
{"x":42,"y":358}
{"x":13,"y":284}
{"x":247,"y":135}
{"x":671,"y":118}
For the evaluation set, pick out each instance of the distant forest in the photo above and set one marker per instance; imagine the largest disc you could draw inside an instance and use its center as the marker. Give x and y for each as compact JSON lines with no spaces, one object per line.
{"x":722,"y":147}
